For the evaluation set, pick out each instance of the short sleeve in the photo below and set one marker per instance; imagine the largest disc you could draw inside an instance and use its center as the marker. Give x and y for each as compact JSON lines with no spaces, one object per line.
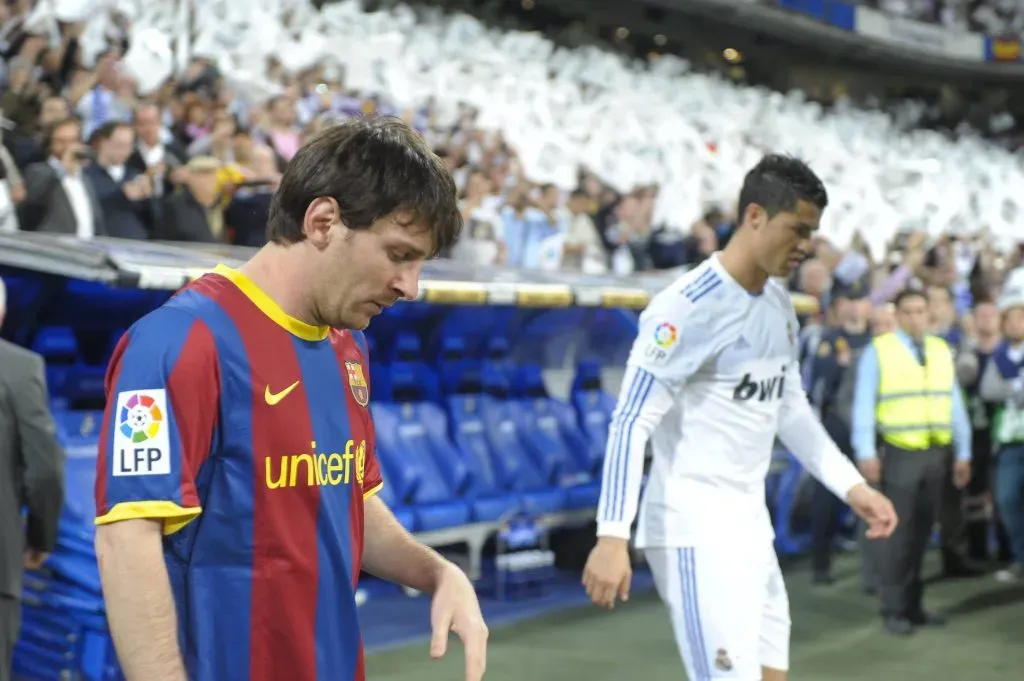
{"x":372,"y":480}
{"x":674,"y":338}
{"x":162,"y":392}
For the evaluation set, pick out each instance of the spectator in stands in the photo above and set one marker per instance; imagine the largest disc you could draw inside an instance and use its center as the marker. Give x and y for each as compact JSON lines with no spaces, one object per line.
{"x":122,"y":191}
{"x":582,"y":250}
{"x":99,"y":96}
{"x":31,"y":476}
{"x":971,"y":365}
{"x":883,"y":319}
{"x":943,"y":315}
{"x":844,"y":337}
{"x":194,"y":212}
{"x":524,"y":229}
{"x":60,"y":197}
{"x":12,"y":192}
{"x":1001,"y":383}
{"x":156,"y":152}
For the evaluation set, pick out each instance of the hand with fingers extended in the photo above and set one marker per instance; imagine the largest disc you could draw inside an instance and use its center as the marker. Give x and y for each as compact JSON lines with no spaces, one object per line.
{"x":608,"y":572}
{"x":455,"y":608}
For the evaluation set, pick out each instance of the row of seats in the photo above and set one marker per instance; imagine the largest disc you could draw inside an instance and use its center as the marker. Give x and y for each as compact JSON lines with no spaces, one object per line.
{"x":473,"y":458}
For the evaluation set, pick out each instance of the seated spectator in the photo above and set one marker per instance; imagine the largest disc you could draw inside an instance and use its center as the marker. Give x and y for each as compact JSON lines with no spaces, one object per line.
{"x":122,"y":191}
{"x":59,"y":196}
{"x":194,"y":212}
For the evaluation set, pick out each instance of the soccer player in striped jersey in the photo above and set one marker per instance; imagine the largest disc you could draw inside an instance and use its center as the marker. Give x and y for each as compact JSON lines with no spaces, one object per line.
{"x":236,"y":477}
{"x":711,"y":381}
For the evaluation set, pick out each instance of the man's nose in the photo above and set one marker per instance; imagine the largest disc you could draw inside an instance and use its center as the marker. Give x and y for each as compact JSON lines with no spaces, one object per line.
{"x":407,"y":285}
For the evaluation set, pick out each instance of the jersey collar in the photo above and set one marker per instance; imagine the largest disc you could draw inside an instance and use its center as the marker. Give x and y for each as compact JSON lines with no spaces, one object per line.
{"x":268,"y":307}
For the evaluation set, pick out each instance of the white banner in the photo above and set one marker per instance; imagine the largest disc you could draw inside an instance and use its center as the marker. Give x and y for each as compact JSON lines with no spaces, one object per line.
{"x":935,"y":39}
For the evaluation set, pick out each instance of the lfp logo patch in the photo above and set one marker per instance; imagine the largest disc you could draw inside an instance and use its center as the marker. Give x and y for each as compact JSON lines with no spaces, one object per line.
{"x":142,"y":445}
{"x":665,"y":335}
{"x":141,"y":417}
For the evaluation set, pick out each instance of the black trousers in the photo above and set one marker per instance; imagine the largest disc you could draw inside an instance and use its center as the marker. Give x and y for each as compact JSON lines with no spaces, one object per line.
{"x":825,"y":506}
{"x":826,"y":509}
{"x":10,"y":623}
{"x":915,"y":482}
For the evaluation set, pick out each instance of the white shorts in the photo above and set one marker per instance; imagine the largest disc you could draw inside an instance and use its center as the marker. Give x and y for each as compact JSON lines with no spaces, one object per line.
{"x":729,"y":608}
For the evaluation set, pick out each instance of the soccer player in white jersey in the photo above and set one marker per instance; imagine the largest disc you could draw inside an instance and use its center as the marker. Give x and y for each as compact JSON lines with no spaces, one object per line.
{"x":711,"y":381}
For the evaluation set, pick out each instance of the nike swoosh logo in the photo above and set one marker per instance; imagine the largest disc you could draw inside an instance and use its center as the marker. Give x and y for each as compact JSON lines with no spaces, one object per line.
{"x":274,"y":398}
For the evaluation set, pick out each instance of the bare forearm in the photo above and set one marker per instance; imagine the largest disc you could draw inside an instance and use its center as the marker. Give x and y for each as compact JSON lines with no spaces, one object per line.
{"x":391,"y":553}
{"x":140,"y":607}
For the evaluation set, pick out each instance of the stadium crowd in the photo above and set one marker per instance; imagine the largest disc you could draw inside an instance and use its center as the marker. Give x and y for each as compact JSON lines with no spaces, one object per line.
{"x":85,"y":153}
{"x":993,"y":17}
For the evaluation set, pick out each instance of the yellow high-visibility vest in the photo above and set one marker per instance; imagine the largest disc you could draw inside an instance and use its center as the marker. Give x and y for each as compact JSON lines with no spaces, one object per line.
{"x":915,"y":403}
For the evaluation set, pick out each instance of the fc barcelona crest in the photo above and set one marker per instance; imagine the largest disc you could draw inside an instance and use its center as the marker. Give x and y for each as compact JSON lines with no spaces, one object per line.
{"x":357,"y":383}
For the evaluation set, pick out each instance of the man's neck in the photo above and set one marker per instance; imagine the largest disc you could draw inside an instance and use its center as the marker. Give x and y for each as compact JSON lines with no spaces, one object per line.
{"x":738,"y":261}
{"x":988,"y":342}
{"x":278,"y":272}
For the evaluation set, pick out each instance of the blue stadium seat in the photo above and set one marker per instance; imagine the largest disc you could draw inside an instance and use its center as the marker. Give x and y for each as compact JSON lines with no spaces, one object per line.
{"x":550,"y":428}
{"x":78,"y":431}
{"x":79,"y":484}
{"x":407,"y":356}
{"x":380,"y":383}
{"x":459,"y":374}
{"x":59,"y":348}
{"x":515,"y":468}
{"x":594,"y":407}
{"x":404,"y":448}
{"x":465,"y":476}
{"x":84,"y":384}
{"x":403,"y":514}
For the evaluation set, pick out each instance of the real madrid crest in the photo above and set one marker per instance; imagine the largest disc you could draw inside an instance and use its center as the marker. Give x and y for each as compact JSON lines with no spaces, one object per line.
{"x":722,"y":661}
{"x":357,"y":383}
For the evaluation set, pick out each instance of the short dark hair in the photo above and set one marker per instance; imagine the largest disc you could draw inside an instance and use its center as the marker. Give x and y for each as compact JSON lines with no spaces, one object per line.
{"x":372,"y":167}
{"x":777,"y":183}
{"x":107,"y":130}
{"x":907,"y":294}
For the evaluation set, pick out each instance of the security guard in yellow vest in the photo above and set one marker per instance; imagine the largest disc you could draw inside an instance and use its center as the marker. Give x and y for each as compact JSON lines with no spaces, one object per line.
{"x":907,"y":396}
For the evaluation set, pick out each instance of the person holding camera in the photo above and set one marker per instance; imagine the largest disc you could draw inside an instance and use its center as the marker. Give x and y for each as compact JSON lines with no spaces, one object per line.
{"x":59,"y":198}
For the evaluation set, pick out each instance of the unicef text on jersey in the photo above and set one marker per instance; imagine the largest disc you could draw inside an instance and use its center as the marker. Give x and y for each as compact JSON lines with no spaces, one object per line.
{"x":763,"y":389}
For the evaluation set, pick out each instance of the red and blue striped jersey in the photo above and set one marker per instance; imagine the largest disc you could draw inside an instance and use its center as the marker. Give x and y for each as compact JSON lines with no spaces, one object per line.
{"x":247,"y":433}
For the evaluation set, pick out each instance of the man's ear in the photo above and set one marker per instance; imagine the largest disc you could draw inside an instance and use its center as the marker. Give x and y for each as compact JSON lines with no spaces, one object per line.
{"x":320,"y":215}
{"x":755,"y":216}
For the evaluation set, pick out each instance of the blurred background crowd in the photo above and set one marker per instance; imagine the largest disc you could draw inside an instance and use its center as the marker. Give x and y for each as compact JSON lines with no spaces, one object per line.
{"x":995,"y":17}
{"x":108,"y":130}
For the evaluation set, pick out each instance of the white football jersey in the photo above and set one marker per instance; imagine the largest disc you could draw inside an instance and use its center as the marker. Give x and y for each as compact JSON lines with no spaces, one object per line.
{"x":712,"y":379}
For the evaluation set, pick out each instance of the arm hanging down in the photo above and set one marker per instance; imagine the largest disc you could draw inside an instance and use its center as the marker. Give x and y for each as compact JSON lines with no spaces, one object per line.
{"x":673,"y":341}
{"x":802,"y":433}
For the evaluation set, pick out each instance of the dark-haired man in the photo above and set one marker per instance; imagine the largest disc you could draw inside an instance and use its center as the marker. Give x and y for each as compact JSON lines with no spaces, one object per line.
{"x":837,"y":351}
{"x":236,"y":477}
{"x":907,"y":393}
{"x":712,"y":380}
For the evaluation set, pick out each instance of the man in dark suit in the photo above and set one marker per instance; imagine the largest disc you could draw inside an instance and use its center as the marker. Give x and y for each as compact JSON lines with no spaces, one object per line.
{"x":59,"y":198}
{"x":122,"y":191}
{"x":31,"y":476}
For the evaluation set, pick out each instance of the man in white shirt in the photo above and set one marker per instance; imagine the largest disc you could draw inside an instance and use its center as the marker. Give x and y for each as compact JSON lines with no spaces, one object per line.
{"x":711,"y":381}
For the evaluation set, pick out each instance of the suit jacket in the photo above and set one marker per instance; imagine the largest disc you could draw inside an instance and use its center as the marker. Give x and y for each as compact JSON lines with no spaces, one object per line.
{"x":183,"y":219}
{"x":122,"y":217}
{"x":46,"y":207}
{"x":31,"y":464}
